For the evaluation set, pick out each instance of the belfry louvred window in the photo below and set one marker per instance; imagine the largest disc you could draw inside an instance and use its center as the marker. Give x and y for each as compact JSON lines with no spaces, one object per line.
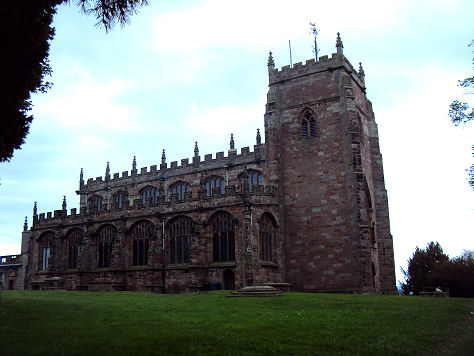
{"x":309,"y":127}
{"x":141,"y":235}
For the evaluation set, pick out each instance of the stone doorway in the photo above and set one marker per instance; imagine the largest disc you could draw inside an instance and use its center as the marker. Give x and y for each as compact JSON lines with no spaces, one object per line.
{"x":11,"y":284}
{"x":229,"y":279}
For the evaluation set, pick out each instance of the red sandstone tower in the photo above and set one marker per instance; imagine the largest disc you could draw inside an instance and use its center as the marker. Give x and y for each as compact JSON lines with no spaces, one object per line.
{"x":322,"y":150}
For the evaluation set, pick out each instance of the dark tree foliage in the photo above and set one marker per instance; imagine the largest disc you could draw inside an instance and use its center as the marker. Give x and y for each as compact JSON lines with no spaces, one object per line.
{"x":26,"y":30}
{"x":457,"y":275}
{"x":421,"y":268}
{"x":431,"y":268}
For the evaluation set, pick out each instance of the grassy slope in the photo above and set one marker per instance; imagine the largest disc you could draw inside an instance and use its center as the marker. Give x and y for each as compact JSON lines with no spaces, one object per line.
{"x":133,"y":323}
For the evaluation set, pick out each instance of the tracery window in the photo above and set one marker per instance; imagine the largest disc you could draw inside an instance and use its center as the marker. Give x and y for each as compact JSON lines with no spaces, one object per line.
{"x":308,"y":124}
{"x":95,"y":203}
{"x":215,"y":182}
{"x":149,"y":195}
{"x":180,"y":231}
{"x":46,"y":245}
{"x":73,"y":242}
{"x":141,"y":235}
{"x":120,"y":198}
{"x":179,"y":189}
{"x":105,"y":239}
{"x":223,"y":237}
{"x":267,"y":237}
{"x":253,"y":178}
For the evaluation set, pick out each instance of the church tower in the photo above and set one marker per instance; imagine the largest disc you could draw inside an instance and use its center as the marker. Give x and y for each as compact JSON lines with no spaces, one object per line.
{"x":322,"y":151}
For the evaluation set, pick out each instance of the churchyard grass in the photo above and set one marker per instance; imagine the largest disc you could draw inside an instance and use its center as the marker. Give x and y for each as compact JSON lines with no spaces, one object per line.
{"x":88,"y":323}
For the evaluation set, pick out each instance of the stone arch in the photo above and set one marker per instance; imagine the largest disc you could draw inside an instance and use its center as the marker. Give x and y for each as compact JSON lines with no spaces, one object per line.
{"x":229,"y":279}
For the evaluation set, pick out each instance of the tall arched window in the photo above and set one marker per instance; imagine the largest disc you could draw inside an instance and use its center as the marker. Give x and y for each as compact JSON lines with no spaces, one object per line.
{"x":267,"y":237}
{"x":308,"y":124}
{"x":74,"y":239}
{"x":149,"y":195}
{"x":179,"y":189}
{"x":46,"y":244}
{"x":223,"y":237}
{"x":141,"y":235}
{"x":215,"y":182}
{"x":120,"y":198}
{"x":106,"y":236}
{"x":253,"y":178}
{"x":180,"y":231}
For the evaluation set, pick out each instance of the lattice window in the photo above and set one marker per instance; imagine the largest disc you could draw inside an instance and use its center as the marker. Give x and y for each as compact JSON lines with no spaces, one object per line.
{"x":74,"y":240}
{"x":179,"y":189}
{"x":180,"y":231}
{"x":141,"y":235}
{"x":105,"y":240}
{"x":149,"y":195}
{"x":267,"y":237}
{"x":223,"y":237}
{"x":215,"y":182}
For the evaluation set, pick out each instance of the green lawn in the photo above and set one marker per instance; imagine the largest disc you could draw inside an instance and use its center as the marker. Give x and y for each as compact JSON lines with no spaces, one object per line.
{"x":61,"y":322}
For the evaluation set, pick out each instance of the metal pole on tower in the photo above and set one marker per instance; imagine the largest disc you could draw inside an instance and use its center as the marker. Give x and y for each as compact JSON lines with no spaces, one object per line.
{"x":315,"y":32}
{"x":291,"y":60}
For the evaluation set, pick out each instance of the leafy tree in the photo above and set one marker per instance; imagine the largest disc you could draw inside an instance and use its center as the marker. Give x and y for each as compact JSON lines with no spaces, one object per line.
{"x":422,"y":267}
{"x":457,"y":275}
{"x":459,"y":113}
{"x":26,"y":29}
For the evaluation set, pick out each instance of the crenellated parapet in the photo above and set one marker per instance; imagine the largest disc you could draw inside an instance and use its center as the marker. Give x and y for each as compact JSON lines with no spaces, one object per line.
{"x":185,"y":167}
{"x":311,"y":66}
{"x":233,"y":195}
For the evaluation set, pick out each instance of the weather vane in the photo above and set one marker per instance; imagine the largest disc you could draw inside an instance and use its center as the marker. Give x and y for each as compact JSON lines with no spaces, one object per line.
{"x":315,"y":32}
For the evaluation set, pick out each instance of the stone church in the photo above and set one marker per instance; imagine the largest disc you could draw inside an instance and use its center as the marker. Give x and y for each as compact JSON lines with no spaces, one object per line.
{"x":307,"y":206}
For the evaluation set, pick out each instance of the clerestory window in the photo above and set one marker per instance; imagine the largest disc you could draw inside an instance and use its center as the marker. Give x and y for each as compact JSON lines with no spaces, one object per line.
{"x":179,"y":189}
{"x":120,"y":198}
{"x":215,"y":182}
{"x":253,"y":178}
{"x":149,"y":195}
